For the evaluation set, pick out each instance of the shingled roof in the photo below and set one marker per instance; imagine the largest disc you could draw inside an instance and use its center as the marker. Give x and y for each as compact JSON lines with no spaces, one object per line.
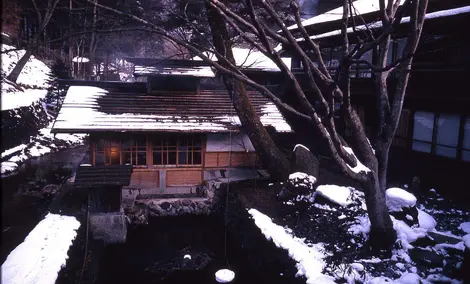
{"x":91,"y":109}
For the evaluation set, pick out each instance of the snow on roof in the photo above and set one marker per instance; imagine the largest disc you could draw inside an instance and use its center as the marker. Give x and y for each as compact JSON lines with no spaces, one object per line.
{"x":200,"y":71}
{"x":340,"y":195}
{"x":88,"y":109}
{"x":404,"y":20}
{"x":360,"y":7}
{"x":398,"y":198}
{"x":80,"y":59}
{"x":309,"y":257}
{"x":43,"y":253}
{"x":251,"y":59}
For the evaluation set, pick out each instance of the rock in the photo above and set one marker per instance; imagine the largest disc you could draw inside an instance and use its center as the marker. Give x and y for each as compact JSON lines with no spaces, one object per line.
{"x":409,"y":215}
{"x":302,"y":160}
{"x":402,"y":205}
{"x":201,"y":205}
{"x":297,"y":184}
{"x":426,"y":221}
{"x":284,"y":193}
{"x":186,"y":210}
{"x":186,"y":202}
{"x":426,"y":257}
{"x":154,"y":207}
{"x":176,"y":204}
{"x":335,"y":194}
{"x":444,"y":239}
{"x":165,"y":206}
{"x":51,"y":188}
{"x":139,"y":216}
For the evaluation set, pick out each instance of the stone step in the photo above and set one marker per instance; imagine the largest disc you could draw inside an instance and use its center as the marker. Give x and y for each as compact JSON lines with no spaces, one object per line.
{"x":441,"y":238}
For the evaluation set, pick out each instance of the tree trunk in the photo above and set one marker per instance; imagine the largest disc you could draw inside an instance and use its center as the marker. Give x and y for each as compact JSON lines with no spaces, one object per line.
{"x":382,"y":234}
{"x":15,"y":73}
{"x":381,"y":152}
{"x":270,"y":155}
{"x":92,"y":48}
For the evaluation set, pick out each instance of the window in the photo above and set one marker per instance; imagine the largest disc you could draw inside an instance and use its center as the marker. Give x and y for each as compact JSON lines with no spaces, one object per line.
{"x":134,"y":152}
{"x":423,"y":131}
{"x":438,"y":134}
{"x":107,"y":152}
{"x":447,"y":135}
{"x":172,"y":151}
{"x":466,"y":140}
{"x":121,"y":152}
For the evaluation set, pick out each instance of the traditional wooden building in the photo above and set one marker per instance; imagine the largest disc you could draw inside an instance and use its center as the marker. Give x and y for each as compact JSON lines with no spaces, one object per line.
{"x":176,"y":127}
{"x":434,"y":131}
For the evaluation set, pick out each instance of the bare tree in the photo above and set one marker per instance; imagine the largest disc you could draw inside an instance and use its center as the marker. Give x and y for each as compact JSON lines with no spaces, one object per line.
{"x":359,"y":161}
{"x":43,"y":20}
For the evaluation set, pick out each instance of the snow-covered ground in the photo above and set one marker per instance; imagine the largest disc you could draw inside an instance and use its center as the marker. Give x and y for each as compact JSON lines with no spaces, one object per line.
{"x":31,"y":84}
{"x":31,"y":88}
{"x":309,"y":257}
{"x":347,"y":205}
{"x":12,"y":100}
{"x":39,"y":145}
{"x":34,"y":74}
{"x":43,"y":253}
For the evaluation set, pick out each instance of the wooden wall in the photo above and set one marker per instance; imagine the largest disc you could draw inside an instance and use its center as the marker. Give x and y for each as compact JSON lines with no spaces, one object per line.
{"x":145,"y":176}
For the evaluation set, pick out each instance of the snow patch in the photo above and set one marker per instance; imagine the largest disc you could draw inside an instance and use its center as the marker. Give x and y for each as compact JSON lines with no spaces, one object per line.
{"x":38,"y":146}
{"x":80,"y":59}
{"x":409,"y":278}
{"x":466,"y":240}
{"x":309,"y":257}
{"x":361,"y":226}
{"x":340,"y":195}
{"x":43,"y":253}
{"x":359,"y":167}
{"x":300,"y":145}
{"x":426,"y":221}
{"x":398,"y":198}
{"x":465,"y":226}
{"x":406,"y":234}
{"x":34,"y":73}
{"x":12,"y":100}
{"x":299,"y":176}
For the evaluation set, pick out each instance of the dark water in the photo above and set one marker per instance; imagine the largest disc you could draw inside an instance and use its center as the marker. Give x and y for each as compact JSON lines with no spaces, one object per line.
{"x":162,"y":244}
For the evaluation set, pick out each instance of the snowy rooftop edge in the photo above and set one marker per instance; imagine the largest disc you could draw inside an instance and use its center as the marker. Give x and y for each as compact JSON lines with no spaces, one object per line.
{"x":404,"y":20}
{"x":79,"y":114}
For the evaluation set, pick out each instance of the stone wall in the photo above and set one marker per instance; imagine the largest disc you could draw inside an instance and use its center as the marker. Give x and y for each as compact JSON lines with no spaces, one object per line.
{"x":160,"y":207}
{"x":19,"y":124}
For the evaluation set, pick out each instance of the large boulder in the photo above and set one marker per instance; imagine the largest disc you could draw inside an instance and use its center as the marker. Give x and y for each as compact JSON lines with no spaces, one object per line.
{"x":402,"y":205}
{"x":302,"y":160}
{"x":334,"y":194}
{"x":298,"y":184}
